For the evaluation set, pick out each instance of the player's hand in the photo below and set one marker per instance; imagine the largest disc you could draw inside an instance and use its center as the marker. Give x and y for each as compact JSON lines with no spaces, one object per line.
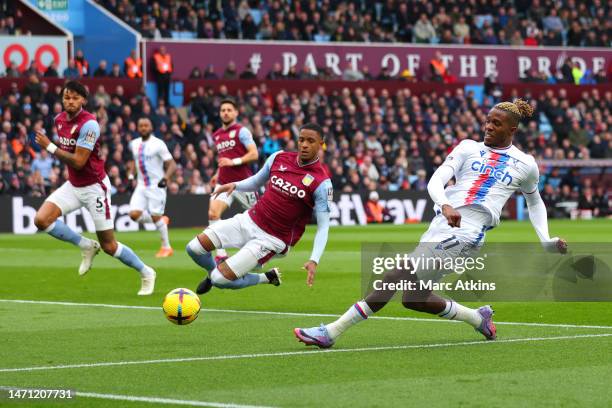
{"x":42,"y":140}
{"x":452,"y":216}
{"x":225,"y":162}
{"x":556,"y":244}
{"x":311,"y":268}
{"x":213,"y":180}
{"x":162,"y":183}
{"x":224,"y":188}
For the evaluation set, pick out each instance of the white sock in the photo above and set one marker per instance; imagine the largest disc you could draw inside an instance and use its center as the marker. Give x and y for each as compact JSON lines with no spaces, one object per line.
{"x":146,"y":272}
{"x":455,"y":311}
{"x":356,"y":313}
{"x":86,"y":243}
{"x":263,"y":278}
{"x":145,"y":218}
{"x":163,"y":232}
{"x":219,"y":251}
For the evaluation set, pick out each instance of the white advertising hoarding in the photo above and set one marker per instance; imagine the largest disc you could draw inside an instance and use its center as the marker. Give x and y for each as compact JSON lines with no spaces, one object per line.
{"x":42,"y":49}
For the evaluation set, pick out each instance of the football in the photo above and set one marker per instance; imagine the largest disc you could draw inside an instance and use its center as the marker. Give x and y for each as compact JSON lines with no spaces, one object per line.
{"x":181,"y":306}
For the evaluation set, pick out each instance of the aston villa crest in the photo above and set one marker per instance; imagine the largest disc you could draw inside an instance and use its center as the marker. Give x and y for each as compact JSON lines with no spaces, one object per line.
{"x":73,"y":129}
{"x":232,"y":134}
{"x":307,"y":180}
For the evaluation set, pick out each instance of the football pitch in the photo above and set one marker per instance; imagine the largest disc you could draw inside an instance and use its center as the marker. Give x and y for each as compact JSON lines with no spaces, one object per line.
{"x":93,"y":334}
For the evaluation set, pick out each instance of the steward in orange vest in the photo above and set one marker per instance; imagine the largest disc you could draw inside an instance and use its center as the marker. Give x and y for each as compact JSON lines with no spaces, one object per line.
{"x":133,"y":66}
{"x":163,"y":61}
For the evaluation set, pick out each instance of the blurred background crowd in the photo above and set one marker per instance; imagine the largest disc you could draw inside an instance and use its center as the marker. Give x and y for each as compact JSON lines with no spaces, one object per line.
{"x":492,"y":22}
{"x":389,"y":140}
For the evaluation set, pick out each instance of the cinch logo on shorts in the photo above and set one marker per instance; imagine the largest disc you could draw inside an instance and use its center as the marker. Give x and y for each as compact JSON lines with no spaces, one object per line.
{"x":226,"y":144}
{"x":287,"y":186}
{"x":497,"y":174}
{"x":67,"y":141}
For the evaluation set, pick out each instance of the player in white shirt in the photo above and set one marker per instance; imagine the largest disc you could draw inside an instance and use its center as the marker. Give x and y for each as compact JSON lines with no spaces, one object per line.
{"x":487,"y":174}
{"x":154,"y":166}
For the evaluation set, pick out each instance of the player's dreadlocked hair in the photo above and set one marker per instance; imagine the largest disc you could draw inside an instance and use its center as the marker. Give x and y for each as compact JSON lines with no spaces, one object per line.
{"x":519,"y":109}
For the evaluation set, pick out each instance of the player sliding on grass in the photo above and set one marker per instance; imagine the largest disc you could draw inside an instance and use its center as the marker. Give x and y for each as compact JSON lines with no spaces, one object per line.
{"x":87,"y":186}
{"x":297,"y":185}
{"x":487,"y":174}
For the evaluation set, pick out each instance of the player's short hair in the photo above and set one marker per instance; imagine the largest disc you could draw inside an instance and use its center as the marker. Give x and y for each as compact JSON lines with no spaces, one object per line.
{"x":145,"y":118}
{"x":230,"y":101}
{"x":518,"y":109}
{"x":314,"y":127}
{"x":77,"y":87}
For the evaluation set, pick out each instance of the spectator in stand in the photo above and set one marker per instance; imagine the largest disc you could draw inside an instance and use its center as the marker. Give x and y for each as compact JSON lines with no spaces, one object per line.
{"x":100,"y":71}
{"x":230,"y":71}
{"x":424,"y":31}
{"x":33,"y":89}
{"x":276,"y":72}
{"x":51,"y":71}
{"x":71,"y":71}
{"x":115,"y":71}
{"x":210,"y":72}
{"x":43,"y":164}
{"x":11,"y":70}
{"x":195,"y":73}
{"x":248,"y":73}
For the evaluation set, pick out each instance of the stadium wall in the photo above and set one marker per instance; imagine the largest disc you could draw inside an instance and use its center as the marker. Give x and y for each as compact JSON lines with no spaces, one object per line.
{"x":470,"y":64}
{"x":17,"y":213}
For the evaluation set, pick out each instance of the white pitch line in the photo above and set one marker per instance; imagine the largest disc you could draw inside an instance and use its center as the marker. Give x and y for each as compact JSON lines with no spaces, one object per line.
{"x":300,"y":314}
{"x":152,"y":400}
{"x":301,"y":353}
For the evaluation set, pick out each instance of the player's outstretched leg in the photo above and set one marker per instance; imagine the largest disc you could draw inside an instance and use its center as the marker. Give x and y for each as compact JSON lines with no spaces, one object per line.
{"x":230,"y":274}
{"x":125,"y":254}
{"x":480,"y":319}
{"x":234,"y":272}
{"x":47,"y":220}
{"x":324,"y":336}
{"x":199,"y":249}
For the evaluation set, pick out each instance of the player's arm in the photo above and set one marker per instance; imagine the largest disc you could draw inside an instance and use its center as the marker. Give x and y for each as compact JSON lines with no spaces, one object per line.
{"x":253,"y":183}
{"x":88,"y":136}
{"x":246,"y":138}
{"x":169,"y":166}
{"x":322,"y":196}
{"x":441,"y":177}
{"x":538,"y":215}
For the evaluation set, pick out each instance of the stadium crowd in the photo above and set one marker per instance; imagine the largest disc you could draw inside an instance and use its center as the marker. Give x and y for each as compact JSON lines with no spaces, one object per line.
{"x":491,"y":22}
{"x":391,"y":140}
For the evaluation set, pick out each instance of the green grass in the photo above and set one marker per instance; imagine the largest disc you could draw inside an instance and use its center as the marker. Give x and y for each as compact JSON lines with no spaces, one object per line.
{"x":432,"y":369}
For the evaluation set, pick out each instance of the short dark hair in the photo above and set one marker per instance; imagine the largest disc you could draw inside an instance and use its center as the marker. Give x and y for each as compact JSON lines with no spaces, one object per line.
{"x":230,"y":101}
{"x":314,"y":127}
{"x":77,"y":87}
